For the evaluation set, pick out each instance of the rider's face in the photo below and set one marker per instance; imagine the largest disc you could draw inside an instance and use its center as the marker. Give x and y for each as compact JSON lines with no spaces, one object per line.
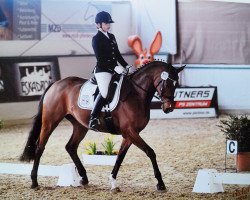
{"x":105,"y":26}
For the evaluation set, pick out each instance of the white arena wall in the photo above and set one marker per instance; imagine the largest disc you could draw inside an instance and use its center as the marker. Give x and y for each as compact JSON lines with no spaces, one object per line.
{"x":232,"y":81}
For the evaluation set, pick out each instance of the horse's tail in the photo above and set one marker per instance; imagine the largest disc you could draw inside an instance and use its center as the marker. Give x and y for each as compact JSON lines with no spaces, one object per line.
{"x":31,"y":144}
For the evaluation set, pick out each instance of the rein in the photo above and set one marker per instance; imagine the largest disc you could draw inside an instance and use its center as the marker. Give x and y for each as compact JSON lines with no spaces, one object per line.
{"x":164,"y":78}
{"x":144,"y":89}
{"x":159,"y":97}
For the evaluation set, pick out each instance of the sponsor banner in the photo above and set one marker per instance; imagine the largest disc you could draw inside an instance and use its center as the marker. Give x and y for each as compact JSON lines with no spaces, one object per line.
{"x":58,"y":19}
{"x":24,"y":79}
{"x":190,"y":102}
{"x":73,"y":20}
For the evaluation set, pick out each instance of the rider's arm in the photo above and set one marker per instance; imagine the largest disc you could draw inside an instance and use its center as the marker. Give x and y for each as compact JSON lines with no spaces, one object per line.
{"x":96,"y":48}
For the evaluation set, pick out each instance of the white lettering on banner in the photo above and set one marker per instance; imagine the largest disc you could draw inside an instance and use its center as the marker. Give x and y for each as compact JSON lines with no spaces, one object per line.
{"x":232,"y":147}
{"x":34,"y":88}
{"x":188,"y":94}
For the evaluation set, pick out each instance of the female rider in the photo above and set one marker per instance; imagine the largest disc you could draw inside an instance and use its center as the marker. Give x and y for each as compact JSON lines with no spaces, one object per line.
{"x":107,"y":55}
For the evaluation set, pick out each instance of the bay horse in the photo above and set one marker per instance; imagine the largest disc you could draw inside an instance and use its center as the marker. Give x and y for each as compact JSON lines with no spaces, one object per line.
{"x":130,"y":117}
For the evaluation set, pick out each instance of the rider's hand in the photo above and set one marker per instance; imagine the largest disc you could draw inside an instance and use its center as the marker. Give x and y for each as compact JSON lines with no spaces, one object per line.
{"x":120,"y":70}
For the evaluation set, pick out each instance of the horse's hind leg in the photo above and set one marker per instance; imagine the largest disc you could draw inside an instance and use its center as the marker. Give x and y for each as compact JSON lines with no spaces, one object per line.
{"x":79,"y":133}
{"x":47,"y":128}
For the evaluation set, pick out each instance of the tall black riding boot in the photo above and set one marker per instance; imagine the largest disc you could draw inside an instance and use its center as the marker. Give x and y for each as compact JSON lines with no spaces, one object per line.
{"x":94,"y":121}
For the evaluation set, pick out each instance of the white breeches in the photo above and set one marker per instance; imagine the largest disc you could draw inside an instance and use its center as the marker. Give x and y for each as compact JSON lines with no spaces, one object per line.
{"x":103,"y":79}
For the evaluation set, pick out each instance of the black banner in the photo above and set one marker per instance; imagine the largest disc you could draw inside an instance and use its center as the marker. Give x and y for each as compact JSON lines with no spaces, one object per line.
{"x":26,"y":78}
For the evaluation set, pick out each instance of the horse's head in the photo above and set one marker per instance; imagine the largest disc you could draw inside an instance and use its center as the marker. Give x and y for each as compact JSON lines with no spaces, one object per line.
{"x":166,"y":83}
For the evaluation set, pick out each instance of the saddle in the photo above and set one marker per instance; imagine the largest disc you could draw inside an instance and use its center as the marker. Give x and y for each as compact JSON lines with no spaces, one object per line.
{"x":89,"y":92}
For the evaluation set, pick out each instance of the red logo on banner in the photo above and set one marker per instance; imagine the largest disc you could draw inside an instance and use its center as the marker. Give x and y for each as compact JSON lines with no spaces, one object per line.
{"x":193,"y":104}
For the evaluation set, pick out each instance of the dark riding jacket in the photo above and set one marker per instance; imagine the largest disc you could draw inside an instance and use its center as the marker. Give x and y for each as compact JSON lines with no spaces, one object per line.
{"x":106,"y":52}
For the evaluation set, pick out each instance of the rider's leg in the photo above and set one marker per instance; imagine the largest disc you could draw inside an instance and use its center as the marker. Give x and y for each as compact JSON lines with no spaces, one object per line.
{"x":103,"y":80}
{"x":94,"y":121}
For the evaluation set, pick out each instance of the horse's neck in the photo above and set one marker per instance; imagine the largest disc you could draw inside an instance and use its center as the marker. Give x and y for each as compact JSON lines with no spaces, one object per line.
{"x":144,"y":85}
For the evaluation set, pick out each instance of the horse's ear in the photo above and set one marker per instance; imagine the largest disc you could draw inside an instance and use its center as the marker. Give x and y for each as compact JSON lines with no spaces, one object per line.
{"x":135,"y":43}
{"x":156,"y":44}
{"x":180,"y":68}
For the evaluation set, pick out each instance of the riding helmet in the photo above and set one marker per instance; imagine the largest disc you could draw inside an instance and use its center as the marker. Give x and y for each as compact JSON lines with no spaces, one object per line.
{"x":103,"y":17}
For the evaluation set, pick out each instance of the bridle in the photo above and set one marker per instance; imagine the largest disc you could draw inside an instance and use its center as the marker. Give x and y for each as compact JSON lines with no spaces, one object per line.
{"x":164,"y":78}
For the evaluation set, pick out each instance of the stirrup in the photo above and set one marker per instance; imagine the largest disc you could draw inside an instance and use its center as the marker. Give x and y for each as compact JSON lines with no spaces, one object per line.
{"x":94,"y":123}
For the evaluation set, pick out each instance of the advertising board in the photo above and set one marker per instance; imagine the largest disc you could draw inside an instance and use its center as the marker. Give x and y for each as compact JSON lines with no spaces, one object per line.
{"x":190,"y":102}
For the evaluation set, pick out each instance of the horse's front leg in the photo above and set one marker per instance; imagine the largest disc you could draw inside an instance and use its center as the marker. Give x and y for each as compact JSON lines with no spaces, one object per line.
{"x":121,"y":155}
{"x":135,"y":138}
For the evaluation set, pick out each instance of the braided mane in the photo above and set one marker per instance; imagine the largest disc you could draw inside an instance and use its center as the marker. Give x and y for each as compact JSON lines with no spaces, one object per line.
{"x":151,"y":64}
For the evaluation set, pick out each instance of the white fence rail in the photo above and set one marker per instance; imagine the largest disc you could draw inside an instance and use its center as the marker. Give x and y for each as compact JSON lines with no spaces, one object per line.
{"x":210,"y":181}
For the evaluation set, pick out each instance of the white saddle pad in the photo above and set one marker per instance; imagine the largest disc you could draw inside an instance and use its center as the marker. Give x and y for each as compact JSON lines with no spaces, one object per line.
{"x":86,"y":96}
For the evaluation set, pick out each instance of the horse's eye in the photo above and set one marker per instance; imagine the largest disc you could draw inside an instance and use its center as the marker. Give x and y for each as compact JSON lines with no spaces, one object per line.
{"x":149,"y":57}
{"x":141,"y":57}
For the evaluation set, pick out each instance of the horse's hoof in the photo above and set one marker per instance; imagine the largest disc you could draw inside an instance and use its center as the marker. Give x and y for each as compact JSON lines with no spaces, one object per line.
{"x":115,"y":190}
{"x":34,"y":186}
{"x":84,"y":182}
{"x":161,"y":188}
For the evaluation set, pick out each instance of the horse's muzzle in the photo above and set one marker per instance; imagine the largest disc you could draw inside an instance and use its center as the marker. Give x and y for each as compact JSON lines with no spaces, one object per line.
{"x":168,"y":106}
